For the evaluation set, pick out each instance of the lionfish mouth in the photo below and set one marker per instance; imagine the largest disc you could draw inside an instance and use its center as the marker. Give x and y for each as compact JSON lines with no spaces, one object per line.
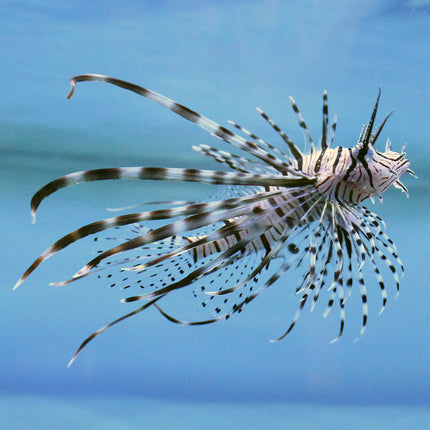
{"x":302,"y":210}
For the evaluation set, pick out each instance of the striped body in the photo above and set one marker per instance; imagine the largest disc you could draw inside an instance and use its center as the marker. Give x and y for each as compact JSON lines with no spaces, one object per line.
{"x":304,"y":210}
{"x":281,"y":213}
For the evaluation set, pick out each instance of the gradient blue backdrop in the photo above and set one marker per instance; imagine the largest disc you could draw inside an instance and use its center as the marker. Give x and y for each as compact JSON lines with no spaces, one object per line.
{"x":222,"y":59}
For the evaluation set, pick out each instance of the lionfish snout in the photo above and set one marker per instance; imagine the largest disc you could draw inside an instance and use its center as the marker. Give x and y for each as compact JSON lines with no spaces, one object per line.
{"x":390,"y":166}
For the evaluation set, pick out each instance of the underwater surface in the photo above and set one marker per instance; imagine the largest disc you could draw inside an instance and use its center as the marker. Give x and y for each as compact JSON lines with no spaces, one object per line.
{"x":222,"y":60}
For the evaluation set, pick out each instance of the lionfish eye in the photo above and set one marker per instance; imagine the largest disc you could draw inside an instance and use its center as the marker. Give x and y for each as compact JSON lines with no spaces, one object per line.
{"x":362,"y":151}
{"x":369,"y":153}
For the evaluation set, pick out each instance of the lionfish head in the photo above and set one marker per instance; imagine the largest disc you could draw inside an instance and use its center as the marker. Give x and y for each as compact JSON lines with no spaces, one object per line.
{"x":383,"y":169}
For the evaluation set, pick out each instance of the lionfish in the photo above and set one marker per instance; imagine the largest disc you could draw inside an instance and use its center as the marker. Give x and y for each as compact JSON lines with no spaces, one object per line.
{"x":303,"y":211}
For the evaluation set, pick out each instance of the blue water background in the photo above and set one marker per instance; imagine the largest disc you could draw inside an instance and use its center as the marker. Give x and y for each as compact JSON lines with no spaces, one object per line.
{"x":222,"y":59}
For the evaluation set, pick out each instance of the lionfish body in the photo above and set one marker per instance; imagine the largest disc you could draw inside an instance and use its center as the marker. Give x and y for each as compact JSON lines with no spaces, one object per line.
{"x":301,"y":210}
